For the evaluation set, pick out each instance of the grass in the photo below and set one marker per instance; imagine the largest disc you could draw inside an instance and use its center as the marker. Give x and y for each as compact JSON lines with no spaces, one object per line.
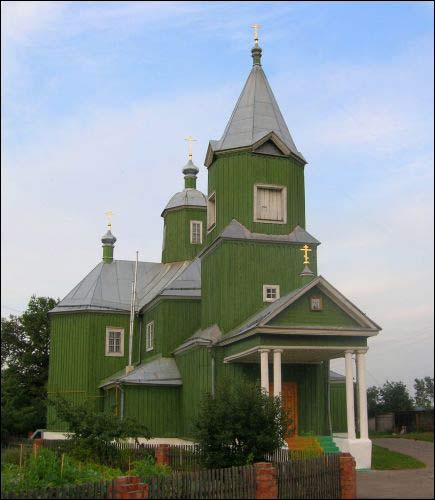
{"x":417,"y":436}
{"x":384,"y":459}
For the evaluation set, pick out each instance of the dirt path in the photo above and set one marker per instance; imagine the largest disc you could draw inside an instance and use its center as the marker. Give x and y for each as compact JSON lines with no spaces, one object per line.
{"x":411,"y":483}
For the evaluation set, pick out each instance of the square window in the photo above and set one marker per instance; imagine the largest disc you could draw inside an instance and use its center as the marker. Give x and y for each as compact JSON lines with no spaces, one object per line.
{"x":211,"y":211}
{"x":195,"y":232}
{"x":270,"y":293}
{"x":316,"y":304}
{"x":149,"y":341}
{"x":270,"y":204}
{"x":114,"y":341}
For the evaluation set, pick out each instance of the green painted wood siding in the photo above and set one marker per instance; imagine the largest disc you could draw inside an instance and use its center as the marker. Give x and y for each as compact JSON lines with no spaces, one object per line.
{"x":177,"y":245}
{"x":159,"y":408}
{"x":233,"y":176}
{"x":78,"y":362}
{"x":175,"y":320}
{"x":338,"y":407}
{"x":299,"y":313}
{"x":233,"y":275}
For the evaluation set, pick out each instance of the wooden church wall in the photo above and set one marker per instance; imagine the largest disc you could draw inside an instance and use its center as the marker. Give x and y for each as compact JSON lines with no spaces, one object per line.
{"x":232,"y":288}
{"x":233,"y":175}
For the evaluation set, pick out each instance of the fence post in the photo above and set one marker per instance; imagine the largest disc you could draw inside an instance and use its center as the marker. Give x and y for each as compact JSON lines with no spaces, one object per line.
{"x":347,"y":476}
{"x":129,"y":487}
{"x":37,"y":443}
{"x":265,"y":480}
{"x":162,"y":454}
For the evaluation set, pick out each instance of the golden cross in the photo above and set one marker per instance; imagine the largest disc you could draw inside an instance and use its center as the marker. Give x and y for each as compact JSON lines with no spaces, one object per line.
{"x":256,"y":27}
{"x":109,"y":216}
{"x":306,"y":249}
{"x":189,"y":140}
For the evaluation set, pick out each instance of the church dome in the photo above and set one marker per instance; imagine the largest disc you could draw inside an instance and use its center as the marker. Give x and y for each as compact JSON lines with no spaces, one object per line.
{"x":189,"y":197}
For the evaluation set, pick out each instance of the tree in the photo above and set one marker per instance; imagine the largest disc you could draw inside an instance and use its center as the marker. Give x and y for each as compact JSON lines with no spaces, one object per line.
{"x":25,"y":343}
{"x":394,"y":396}
{"x":93,"y":434}
{"x":239,"y":424}
{"x":424,"y":393}
{"x":373,"y":400}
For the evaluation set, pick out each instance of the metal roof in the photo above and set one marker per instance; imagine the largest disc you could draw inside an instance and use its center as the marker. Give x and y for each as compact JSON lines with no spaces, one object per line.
{"x":189,"y":197}
{"x":336,"y":377}
{"x":208,"y":336}
{"x":108,"y":286}
{"x":160,"y":371}
{"x":255,"y":115}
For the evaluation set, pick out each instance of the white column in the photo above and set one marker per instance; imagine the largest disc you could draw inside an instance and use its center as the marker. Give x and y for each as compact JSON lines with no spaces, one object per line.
{"x":277,"y":384}
{"x":349,"y":396}
{"x":362,"y":395}
{"x":264,"y":358}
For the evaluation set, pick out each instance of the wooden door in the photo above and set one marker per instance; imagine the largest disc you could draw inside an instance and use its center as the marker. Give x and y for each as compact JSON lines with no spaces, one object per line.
{"x":289,"y":395}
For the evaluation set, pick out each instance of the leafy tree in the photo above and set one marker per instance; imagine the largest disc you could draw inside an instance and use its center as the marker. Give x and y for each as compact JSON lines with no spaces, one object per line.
{"x":239,"y":424}
{"x":92,"y":434}
{"x":373,"y":400}
{"x":424,"y":393}
{"x":394,"y":396}
{"x":25,"y":342}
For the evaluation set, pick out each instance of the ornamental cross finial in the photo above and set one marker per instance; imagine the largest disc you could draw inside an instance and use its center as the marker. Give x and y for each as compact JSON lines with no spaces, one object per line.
{"x":306,"y":249}
{"x":109,"y":216}
{"x":255,"y":27}
{"x":189,"y":140}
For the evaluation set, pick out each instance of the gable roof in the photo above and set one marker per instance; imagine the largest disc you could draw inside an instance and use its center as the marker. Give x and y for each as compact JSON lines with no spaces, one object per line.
{"x":108,"y":286}
{"x":262,"y":317}
{"x":256,"y":118}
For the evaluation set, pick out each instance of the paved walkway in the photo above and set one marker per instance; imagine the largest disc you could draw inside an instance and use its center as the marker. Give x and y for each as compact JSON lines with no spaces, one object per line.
{"x":410,"y":483}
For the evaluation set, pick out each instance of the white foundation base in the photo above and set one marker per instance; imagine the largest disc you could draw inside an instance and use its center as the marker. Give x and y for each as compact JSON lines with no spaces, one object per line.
{"x":360,"y":449}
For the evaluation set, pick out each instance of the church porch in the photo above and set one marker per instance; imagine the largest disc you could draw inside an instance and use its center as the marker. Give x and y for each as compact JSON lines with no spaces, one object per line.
{"x":278,"y":367}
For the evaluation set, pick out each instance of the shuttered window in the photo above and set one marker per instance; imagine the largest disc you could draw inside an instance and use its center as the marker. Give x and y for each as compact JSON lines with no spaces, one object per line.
{"x":150,"y":336}
{"x":195,"y":232}
{"x":211,"y":211}
{"x":114,"y":341}
{"x":270,"y":204}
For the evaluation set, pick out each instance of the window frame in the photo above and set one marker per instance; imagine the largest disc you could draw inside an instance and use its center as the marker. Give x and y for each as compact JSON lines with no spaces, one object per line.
{"x":270,"y":299}
{"x":211,"y":199}
{"x":149,"y":346}
{"x":192,"y":222}
{"x":274,"y":187}
{"x":115,"y":329}
{"x":311,"y":303}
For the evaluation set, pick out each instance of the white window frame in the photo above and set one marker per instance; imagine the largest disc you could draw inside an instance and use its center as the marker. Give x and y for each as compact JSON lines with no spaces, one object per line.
{"x":274,"y":187}
{"x":270,"y":287}
{"x":115,"y":329}
{"x":149,"y":336}
{"x":211,"y":202}
{"x":192,"y":222}
{"x":320,"y":299}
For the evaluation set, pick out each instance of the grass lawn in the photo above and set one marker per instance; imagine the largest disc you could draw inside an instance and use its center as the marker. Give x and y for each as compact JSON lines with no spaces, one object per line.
{"x":418,"y":436}
{"x":383,"y":459}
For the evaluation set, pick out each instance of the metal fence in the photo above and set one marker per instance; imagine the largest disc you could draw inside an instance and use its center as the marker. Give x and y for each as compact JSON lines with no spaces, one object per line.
{"x":310,"y":478}
{"x":232,"y":482}
{"x":102,"y":489}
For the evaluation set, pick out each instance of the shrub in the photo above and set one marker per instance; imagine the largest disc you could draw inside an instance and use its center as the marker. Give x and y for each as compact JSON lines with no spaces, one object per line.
{"x":239,"y":424}
{"x":146,"y":468}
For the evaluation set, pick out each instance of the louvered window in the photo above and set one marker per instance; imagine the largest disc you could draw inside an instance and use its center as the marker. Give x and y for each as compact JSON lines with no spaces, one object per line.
{"x":195,"y":232}
{"x":114,"y":341}
{"x":270,"y":204}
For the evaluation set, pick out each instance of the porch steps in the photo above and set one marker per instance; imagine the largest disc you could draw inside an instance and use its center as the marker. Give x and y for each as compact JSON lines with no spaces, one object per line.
{"x":327,"y":444}
{"x":304,"y":444}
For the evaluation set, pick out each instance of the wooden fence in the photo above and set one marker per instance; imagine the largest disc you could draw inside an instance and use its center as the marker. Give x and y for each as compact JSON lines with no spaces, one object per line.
{"x":232,"y":482}
{"x":310,"y":478}
{"x":103,"y":489}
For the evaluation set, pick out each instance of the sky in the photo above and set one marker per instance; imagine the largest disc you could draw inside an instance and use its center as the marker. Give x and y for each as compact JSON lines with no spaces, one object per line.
{"x":97,"y":98}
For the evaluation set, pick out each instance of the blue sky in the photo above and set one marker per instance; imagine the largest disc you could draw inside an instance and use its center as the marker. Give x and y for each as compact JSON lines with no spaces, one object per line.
{"x":97,"y":98}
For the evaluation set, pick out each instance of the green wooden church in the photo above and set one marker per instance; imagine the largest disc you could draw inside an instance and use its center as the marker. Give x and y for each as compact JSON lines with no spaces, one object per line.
{"x":237,"y":293}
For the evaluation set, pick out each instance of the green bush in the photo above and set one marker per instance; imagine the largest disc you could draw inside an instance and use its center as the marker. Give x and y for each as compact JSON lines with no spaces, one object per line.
{"x":240,"y":424}
{"x":147,"y":468}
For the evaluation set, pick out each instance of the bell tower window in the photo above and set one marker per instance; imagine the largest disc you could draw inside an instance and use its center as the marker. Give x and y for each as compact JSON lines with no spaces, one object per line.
{"x":211,"y":212}
{"x":270,"y":204}
{"x":196,"y":232}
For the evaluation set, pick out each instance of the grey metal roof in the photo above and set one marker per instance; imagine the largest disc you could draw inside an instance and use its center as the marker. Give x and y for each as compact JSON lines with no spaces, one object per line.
{"x":160,"y":371}
{"x":209,"y":336}
{"x":187,"y":283}
{"x":108,"y":286}
{"x":189,"y":197}
{"x":236,"y":230}
{"x":256,"y":115}
{"x":336,"y":377}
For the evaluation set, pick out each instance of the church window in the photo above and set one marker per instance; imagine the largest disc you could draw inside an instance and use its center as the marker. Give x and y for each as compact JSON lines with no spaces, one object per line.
{"x":270,"y":293}
{"x":114,"y":341}
{"x":270,"y":204}
{"x":211,"y":211}
{"x":196,"y":232}
{"x":164,"y":236}
{"x":150,"y":336}
{"x":316,"y":304}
